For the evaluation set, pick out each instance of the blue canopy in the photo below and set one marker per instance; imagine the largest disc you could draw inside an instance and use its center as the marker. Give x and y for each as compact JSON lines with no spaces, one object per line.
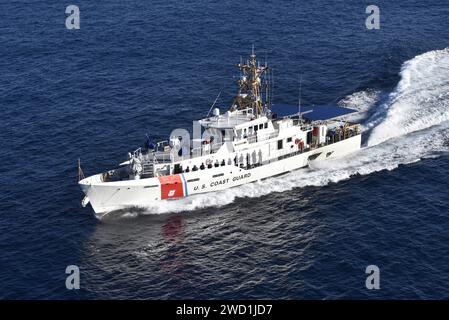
{"x":313,"y":112}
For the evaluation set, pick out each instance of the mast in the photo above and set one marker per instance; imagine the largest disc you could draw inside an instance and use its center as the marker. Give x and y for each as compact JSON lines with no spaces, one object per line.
{"x":250,"y":86}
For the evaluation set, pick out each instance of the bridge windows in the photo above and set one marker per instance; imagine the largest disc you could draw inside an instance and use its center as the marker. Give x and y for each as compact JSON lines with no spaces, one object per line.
{"x":249,"y":131}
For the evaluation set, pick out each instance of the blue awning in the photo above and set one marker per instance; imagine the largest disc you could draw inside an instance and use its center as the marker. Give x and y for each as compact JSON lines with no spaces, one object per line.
{"x":312,"y":113}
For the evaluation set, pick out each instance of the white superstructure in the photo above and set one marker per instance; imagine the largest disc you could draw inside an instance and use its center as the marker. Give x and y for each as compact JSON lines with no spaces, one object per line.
{"x":245,"y":144}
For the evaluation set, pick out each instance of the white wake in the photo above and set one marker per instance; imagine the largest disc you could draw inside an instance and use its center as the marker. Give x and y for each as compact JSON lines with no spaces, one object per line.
{"x":421,"y":99}
{"x":409,"y":126}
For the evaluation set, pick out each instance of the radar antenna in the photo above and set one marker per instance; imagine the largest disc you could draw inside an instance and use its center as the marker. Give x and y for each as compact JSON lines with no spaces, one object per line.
{"x":250,"y":86}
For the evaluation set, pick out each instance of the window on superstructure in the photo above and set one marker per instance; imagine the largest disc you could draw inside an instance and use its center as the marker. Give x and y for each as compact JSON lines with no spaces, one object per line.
{"x":289,"y":139}
{"x":255,"y":128}
{"x":279,"y":144}
{"x":261,"y":126}
{"x":265,"y":125}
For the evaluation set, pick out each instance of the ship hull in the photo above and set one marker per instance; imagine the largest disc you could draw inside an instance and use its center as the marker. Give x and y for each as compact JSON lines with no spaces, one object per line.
{"x":105,"y":197}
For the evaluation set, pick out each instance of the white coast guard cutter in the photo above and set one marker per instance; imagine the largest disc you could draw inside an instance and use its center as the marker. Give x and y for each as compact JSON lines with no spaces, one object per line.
{"x":251,"y":141}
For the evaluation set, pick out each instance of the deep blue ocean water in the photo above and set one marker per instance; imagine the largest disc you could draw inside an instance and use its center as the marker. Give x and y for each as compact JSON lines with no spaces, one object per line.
{"x":151,"y":66}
